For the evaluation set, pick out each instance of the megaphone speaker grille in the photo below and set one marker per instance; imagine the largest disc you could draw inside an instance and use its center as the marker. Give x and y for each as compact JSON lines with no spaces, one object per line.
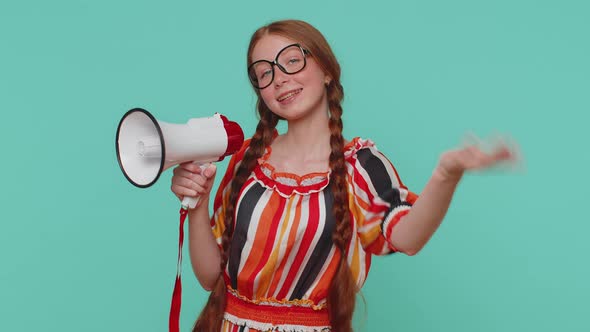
{"x":140,"y":147}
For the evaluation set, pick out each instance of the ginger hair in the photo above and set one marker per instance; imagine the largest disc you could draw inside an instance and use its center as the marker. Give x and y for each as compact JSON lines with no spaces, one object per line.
{"x":342,"y":291}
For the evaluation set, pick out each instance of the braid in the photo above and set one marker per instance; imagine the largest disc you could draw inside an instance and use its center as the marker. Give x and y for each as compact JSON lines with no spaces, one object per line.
{"x":342,"y":292}
{"x":211,"y":317}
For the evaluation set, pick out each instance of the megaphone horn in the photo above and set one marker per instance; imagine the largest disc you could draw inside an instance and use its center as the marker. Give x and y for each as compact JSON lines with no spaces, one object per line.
{"x":146,"y":147}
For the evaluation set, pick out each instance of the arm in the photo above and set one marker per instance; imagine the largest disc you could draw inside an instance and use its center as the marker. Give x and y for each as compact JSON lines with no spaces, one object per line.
{"x":414,"y":230}
{"x":188,"y":180}
{"x":203,"y":250}
{"x":205,"y":232}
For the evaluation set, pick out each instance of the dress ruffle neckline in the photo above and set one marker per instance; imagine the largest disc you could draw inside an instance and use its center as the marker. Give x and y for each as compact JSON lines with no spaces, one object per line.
{"x":287,"y":184}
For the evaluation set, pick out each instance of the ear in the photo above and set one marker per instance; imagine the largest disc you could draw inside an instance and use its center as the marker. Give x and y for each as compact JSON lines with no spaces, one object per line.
{"x":327,"y":80}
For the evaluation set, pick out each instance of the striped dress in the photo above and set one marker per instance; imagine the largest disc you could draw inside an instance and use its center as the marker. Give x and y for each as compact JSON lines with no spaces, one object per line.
{"x":282,"y":257}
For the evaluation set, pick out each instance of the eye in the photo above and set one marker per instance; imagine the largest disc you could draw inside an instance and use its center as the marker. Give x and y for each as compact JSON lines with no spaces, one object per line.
{"x":264,"y":74}
{"x":293,"y":61}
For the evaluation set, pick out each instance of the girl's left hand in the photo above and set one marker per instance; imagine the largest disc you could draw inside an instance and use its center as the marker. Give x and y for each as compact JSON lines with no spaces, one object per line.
{"x":454,"y":163}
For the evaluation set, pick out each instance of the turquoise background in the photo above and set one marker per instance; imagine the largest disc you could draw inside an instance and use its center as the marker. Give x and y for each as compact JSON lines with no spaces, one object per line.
{"x":82,"y":249}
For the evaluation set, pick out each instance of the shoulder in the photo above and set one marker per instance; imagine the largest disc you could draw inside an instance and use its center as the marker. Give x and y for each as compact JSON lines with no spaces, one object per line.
{"x":361,"y":150}
{"x":367,"y":162}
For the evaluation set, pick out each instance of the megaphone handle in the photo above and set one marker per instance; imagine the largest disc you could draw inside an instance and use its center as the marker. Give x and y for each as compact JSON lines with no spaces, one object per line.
{"x":190,"y":202}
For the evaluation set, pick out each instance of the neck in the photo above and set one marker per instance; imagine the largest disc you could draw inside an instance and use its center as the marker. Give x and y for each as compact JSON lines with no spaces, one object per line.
{"x":309,"y":137}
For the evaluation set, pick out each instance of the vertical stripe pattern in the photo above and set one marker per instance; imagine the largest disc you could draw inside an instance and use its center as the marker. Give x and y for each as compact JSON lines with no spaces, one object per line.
{"x":282,"y":252}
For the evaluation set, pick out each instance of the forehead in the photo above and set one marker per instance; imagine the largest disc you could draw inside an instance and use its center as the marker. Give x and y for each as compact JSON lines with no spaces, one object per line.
{"x":268,"y":47}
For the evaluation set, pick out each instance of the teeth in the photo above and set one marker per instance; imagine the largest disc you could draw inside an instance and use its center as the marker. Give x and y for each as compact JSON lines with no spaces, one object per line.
{"x":290,"y":94}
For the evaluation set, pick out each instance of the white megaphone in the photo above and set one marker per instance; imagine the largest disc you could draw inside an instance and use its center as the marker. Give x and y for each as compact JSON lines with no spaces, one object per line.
{"x":146,"y":147}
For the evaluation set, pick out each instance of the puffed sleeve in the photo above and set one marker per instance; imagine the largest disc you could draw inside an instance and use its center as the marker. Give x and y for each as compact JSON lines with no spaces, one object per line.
{"x":222,"y":195}
{"x":380,"y":199}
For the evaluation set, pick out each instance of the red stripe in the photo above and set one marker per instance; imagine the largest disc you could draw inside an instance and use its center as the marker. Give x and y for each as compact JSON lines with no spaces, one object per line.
{"x":270,"y":239}
{"x":377,"y":245}
{"x":361,"y":183}
{"x":367,"y":264}
{"x":308,"y":236}
{"x":270,"y":314}
{"x":290,"y":245}
{"x":229,"y":174}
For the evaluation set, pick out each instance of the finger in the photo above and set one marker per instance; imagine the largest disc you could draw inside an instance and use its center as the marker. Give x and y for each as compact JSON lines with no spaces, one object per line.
{"x":506,"y":149}
{"x":183,"y":173}
{"x":200,"y":180}
{"x":196,"y":182}
{"x":199,"y":186}
{"x":474,"y":158}
{"x":189,"y":166}
{"x":178,"y":170}
{"x":498,"y":147}
{"x":186,"y":182}
{"x":487,"y":145}
{"x":203,"y":190}
{"x":210,"y":171}
{"x":182,"y":191}
{"x":185,"y":166}
{"x":508,"y":159}
{"x":502,"y":153}
{"x":473,"y":154}
{"x":195,"y":168}
{"x":182,"y":169}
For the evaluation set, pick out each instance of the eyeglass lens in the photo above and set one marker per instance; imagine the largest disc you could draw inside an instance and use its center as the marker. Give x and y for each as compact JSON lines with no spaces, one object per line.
{"x":290,"y":60}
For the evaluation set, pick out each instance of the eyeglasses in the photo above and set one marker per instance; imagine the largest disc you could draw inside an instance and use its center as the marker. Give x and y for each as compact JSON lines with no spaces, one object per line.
{"x":290,"y":60}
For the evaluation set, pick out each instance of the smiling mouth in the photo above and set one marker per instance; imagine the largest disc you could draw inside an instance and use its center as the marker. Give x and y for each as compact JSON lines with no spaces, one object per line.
{"x":288,"y":95}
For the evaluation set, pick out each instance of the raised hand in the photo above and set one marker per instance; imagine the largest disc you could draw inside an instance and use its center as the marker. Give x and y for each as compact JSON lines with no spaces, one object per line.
{"x":476,"y":155}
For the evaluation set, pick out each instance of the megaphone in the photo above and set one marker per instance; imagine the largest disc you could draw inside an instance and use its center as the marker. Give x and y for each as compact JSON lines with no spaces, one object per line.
{"x":146,"y":147}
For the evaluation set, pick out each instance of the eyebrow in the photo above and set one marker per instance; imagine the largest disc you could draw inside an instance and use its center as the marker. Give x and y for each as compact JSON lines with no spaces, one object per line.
{"x":277,"y":53}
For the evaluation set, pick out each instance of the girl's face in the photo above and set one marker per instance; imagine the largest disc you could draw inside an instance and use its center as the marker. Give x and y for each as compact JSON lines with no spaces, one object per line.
{"x":291,"y":96}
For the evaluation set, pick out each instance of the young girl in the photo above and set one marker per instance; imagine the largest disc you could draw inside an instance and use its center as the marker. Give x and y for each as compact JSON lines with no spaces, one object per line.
{"x":297,"y":216}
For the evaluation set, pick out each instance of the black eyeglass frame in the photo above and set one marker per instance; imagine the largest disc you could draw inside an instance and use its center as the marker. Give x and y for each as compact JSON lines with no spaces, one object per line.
{"x":275,"y":62}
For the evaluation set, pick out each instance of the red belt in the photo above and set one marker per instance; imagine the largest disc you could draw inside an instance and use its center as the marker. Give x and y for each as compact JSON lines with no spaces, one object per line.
{"x":276,"y":315}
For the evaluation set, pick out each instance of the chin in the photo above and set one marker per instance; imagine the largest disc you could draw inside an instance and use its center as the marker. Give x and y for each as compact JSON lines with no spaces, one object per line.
{"x":293,"y":112}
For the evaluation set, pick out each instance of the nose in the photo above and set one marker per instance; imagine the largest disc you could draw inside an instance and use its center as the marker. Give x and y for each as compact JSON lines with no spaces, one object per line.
{"x":280,"y":77}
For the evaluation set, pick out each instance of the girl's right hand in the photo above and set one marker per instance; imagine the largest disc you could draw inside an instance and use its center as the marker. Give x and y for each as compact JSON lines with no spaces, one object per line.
{"x":190,"y":180}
